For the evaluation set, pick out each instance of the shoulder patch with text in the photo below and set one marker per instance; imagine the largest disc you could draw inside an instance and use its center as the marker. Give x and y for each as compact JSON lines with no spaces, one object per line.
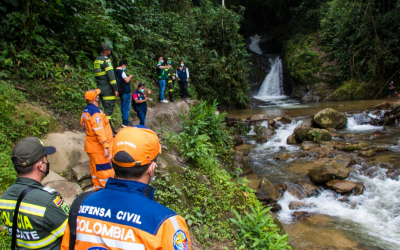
{"x":180,"y":241}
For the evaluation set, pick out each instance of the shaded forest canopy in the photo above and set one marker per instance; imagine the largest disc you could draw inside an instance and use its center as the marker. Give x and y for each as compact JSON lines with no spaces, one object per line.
{"x":48,"y":42}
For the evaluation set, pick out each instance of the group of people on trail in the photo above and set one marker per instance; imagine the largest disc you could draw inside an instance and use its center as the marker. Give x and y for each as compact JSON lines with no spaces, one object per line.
{"x":167,"y":73}
{"x":121,"y":213}
{"x":113,"y":84}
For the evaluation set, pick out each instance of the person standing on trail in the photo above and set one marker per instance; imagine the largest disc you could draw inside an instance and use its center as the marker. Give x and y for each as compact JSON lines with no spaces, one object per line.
{"x":105,"y":78}
{"x":139,"y":102}
{"x":98,"y":140}
{"x":182,"y":73}
{"x":42,"y":216}
{"x":124,"y":81}
{"x":171,"y":81}
{"x":124,"y":214}
{"x":162,"y":75}
{"x":391,"y":89}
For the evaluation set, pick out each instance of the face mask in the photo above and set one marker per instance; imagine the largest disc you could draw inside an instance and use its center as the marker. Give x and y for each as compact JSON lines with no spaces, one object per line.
{"x":182,"y":64}
{"x":124,"y":69}
{"x":162,"y":61}
{"x":142,"y":90}
{"x":47,"y":169}
{"x":169,"y":62}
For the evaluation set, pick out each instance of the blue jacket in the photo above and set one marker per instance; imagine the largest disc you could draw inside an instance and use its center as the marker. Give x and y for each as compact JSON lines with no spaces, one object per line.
{"x":120,"y":80}
{"x":124,"y":215}
{"x":139,"y":106}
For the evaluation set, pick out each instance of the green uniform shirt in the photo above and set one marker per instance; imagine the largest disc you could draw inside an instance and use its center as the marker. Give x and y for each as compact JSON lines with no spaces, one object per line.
{"x":104,"y":74}
{"x":42,"y":217}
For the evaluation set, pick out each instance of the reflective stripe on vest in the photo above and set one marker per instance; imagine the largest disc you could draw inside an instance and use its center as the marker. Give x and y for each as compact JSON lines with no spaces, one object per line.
{"x":23,"y":208}
{"x":100,"y":73}
{"x":108,"y":98}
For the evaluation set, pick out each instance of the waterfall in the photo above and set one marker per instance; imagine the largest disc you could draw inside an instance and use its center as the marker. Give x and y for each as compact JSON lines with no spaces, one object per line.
{"x":272,"y":84}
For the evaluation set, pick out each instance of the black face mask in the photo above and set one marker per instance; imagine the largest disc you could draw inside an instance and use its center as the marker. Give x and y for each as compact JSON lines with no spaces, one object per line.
{"x":47,"y":169}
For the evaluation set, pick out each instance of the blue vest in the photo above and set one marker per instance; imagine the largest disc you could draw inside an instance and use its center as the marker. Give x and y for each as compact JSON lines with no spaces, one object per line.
{"x":139,"y":106}
{"x":120,"y":80}
{"x":182,"y":74}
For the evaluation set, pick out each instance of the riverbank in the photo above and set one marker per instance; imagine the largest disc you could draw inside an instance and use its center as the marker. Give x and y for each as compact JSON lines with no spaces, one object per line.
{"x":317,"y":216}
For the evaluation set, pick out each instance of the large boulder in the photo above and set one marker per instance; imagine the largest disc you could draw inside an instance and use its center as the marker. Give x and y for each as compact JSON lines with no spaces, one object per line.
{"x":301,"y":133}
{"x":52,"y":177}
{"x":258,"y":119}
{"x":68,"y":190}
{"x":242,"y":162}
{"x":329,"y":171}
{"x":263,"y":131}
{"x":330,"y":118}
{"x":308,"y":122}
{"x":291,"y":139}
{"x":318,"y":135}
{"x":284,"y":120}
{"x":70,"y":151}
{"x":267,"y":192}
{"x":341,"y":186}
{"x":383,"y":106}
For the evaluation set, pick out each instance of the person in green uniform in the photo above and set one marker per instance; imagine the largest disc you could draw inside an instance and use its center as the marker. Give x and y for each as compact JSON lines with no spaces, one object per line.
{"x":43,"y":213}
{"x":105,"y":78}
{"x":171,"y":80}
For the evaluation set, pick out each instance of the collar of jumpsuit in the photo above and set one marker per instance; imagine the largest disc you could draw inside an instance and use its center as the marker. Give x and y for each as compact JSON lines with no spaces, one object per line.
{"x":130,"y":186}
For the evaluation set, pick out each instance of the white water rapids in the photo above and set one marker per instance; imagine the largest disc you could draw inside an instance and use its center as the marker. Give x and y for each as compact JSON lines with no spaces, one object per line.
{"x":271,"y":88}
{"x":373,"y":217}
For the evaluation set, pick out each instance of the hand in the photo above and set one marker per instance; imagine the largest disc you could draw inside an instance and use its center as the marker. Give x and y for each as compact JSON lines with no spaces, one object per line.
{"x":116,"y":94}
{"x":106,"y":153}
{"x":169,"y":66}
{"x":173,"y":78}
{"x":146,"y":99}
{"x":179,"y":79}
{"x":131,"y":76}
{"x":149,"y":91}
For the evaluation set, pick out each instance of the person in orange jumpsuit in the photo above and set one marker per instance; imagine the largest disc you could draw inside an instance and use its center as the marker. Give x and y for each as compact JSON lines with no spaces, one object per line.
{"x":124,"y":215}
{"x":98,"y":140}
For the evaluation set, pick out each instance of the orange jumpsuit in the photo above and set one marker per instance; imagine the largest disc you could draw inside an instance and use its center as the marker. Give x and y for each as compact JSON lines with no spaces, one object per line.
{"x":98,"y":137}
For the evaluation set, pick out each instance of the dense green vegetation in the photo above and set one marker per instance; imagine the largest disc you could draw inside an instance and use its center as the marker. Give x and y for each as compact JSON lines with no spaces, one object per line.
{"x":348,"y":45}
{"x":48,"y":46}
{"x":210,"y":192}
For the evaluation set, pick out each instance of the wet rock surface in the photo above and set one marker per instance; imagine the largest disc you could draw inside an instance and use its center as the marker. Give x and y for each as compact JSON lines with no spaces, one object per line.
{"x":329,"y":171}
{"x":267,"y":192}
{"x":341,"y":186}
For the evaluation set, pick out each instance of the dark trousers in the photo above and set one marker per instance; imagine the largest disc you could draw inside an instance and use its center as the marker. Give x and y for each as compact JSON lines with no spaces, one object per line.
{"x":142,"y":116}
{"x":184,"y":90}
{"x":108,"y":103}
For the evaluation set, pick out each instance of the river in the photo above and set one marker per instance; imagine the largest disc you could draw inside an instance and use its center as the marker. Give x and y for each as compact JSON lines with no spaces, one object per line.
{"x":367,"y":221}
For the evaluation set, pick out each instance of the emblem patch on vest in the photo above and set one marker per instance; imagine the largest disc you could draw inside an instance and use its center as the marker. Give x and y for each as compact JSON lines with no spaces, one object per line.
{"x":98,"y":120}
{"x":180,"y":241}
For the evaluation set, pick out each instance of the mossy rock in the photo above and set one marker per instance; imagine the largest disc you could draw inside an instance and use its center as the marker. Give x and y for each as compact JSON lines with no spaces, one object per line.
{"x":318,"y":135}
{"x":301,"y":133}
{"x":330,"y":118}
{"x":329,"y":171}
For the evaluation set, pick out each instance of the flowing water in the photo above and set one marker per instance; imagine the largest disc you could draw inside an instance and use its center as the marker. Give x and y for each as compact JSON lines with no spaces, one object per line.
{"x":367,"y":221}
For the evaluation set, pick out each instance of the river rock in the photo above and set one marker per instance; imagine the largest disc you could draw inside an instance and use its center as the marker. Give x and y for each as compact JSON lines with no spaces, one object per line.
{"x":238,"y":140}
{"x":318,"y":135}
{"x":383,"y":106}
{"x":69,"y":150}
{"x":330,"y":118}
{"x":284,"y":120}
{"x":319,"y":220}
{"x":271,"y":122}
{"x":262,"y":139}
{"x":308,"y":122}
{"x":359,"y":189}
{"x":231,"y":121}
{"x":281,"y":187}
{"x":329,"y":171}
{"x":301,"y":133}
{"x":284,"y":156}
{"x":242,"y":162}
{"x":267,"y":192}
{"x":255,"y":119}
{"x":341,"y":186}
{"x":52,"y":177}
{"x":82,"y":171}
{"x":294,"y":205}
{"x":309,"y":189}
{"x":263,"y":131}
{"x":367,"y":153}
{"x":291,"y":139}
{"x":296,"y":193}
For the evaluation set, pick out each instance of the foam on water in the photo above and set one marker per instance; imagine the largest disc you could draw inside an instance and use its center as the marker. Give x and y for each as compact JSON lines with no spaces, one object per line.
{"x":272,"y":84}
{"x":354,"y":125}
{"x":376,"y":211}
